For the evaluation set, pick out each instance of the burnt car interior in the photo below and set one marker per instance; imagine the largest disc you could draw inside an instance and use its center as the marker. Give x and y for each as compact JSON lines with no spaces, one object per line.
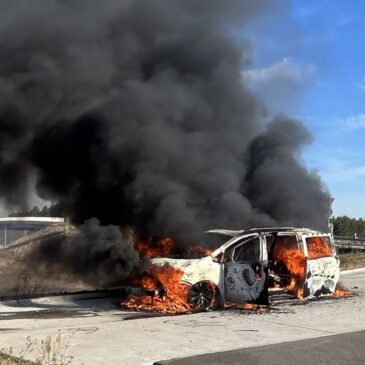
{"x":286,"y":262}
{"x":247,"y":251}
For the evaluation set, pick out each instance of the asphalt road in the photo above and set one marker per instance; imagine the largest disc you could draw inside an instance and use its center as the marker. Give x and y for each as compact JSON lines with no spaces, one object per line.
{"x":94,"y":329}
{"x":341,"y":349}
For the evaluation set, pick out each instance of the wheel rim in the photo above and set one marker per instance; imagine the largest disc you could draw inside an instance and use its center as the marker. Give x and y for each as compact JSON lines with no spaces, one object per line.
{"x":202,"y":295}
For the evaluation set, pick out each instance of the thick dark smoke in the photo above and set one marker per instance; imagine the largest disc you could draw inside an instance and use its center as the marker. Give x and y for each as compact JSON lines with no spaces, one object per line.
{"x":278,"y":185}
{"x":98,"y":255}
{"x":135,"y":112}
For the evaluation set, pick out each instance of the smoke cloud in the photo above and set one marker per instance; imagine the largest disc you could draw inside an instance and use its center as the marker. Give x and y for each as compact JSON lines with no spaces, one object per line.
{"x":135,"y":112}
{"x":98,"y":255}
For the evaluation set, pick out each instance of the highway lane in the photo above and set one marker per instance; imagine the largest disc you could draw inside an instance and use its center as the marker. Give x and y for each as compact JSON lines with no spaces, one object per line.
{"x":340,"y":349}
{"x":95,"y":331}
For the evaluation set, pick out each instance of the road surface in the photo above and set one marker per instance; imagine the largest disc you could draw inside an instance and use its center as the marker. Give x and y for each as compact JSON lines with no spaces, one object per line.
{"x":95,"y":331}
{"x":343,"y":349}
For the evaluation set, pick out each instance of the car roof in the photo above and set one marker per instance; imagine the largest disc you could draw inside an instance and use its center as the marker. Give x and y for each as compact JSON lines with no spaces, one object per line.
{"x":243,"y":232}
{"x":233,"y":233}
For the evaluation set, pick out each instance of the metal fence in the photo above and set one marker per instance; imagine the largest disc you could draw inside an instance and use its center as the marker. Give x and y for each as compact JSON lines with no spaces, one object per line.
{"x":13,"y":228}
{"x":349,"y":244}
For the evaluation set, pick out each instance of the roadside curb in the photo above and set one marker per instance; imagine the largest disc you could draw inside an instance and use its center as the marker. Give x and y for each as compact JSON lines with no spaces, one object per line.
{"x":362,"y":269}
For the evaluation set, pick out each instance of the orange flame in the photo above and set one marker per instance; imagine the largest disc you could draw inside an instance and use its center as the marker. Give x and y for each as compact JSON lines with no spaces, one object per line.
{"x":153,"y":248}
{"x":341,"y":293}
{"x":166,"y":248}
{"x":257,"y":308}
{"x":317,"y":248}
{"x":287,"y":252}
{"x":166,"y":276}
{"x":177,"y":293}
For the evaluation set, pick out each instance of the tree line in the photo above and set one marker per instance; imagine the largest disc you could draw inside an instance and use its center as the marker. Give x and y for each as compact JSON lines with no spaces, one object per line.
{"x":348,"y":227}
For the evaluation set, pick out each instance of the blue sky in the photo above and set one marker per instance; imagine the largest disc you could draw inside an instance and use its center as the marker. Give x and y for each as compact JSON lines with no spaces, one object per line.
{"x":309,"y":63}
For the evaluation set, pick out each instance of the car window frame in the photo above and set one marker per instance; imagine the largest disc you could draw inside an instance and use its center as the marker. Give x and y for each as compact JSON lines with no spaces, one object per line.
{"x":241,"y":241}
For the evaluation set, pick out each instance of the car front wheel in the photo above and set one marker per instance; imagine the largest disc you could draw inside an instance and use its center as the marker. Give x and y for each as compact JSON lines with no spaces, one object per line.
{"x":203,"y":296}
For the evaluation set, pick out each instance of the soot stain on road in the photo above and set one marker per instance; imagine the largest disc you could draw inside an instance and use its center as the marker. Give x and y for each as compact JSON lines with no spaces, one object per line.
{"x":47,"y":314}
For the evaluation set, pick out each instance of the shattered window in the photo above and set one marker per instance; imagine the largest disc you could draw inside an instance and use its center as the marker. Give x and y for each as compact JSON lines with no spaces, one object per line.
{"x":318,"y":247}
{"x":249,"y":251}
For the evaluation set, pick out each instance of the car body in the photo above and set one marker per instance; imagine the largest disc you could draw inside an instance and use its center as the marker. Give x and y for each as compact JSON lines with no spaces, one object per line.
{"x":250,"y":262}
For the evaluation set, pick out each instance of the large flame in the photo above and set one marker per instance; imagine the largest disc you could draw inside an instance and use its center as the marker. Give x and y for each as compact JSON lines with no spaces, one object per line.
{"x":317,"y":248}
{"x":156,"y":248}
{"x":166,"y":247}
{"x":166,"y":277}
{"x":156,"y":277}
{"x":287,"y":252}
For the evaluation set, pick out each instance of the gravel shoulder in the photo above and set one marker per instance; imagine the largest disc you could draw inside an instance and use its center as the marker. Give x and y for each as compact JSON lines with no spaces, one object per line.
{"x":352,"y":260}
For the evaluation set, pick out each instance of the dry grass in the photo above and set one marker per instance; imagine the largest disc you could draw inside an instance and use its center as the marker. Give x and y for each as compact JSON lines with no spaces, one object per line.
{"x":352,"y":260}
{"x":51,"y":351}
{"x":7,"y":356}
{"x":11,"y":360}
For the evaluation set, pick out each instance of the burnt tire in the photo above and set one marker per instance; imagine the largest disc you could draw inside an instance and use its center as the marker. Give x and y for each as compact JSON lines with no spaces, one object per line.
{"x":203,"y":296}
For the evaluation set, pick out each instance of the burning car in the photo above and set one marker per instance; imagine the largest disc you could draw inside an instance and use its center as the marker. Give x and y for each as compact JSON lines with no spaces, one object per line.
{"x":244,"y":269}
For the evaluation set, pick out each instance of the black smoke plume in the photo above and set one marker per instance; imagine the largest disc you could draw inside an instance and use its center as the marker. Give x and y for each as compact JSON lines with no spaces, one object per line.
{"x":98,"y":255}
{"x":135,"y":112}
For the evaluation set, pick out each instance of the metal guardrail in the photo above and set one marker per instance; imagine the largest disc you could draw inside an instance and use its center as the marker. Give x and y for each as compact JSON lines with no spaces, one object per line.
{"x":13,"y":228}
{"x":347,"y":243}
{"x":40,"y":235}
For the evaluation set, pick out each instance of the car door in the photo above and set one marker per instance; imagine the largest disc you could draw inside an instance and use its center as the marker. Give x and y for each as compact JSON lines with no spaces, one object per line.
{"x":322,"y":268}
{"x":245,"y":271}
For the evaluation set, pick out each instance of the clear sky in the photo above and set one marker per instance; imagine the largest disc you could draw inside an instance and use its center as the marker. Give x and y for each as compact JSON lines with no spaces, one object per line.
{"x":309,"y":63}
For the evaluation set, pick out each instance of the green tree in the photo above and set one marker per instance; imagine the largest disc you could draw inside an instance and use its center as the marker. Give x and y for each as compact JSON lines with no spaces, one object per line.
{"x":349,"y":227}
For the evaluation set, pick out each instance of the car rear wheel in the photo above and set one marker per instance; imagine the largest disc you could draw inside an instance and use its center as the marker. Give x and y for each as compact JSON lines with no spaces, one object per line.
{"x":203,"y":296}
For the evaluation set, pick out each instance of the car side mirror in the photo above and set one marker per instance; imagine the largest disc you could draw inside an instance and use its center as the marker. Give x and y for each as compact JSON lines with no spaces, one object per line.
{"x":218,"y":258}
{"x":221,"y":259}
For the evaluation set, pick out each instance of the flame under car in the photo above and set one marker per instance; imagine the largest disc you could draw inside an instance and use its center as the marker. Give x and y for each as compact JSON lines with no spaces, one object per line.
{"x":251,"y":263}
